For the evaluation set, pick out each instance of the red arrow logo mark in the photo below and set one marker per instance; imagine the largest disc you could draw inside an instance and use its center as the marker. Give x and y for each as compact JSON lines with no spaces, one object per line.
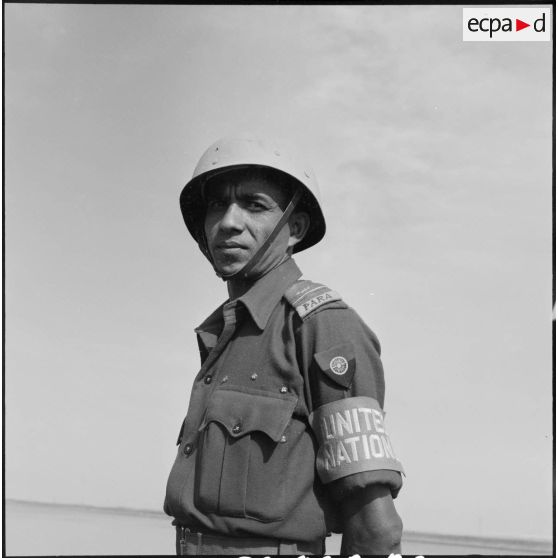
{"x":519,"y":25}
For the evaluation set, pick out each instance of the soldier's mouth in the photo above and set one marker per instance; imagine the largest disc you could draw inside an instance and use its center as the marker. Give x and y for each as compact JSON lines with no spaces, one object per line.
{"x":230,"y":245}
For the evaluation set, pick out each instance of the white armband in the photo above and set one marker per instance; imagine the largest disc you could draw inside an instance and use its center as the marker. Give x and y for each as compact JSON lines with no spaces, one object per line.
{"x":352,"y":438}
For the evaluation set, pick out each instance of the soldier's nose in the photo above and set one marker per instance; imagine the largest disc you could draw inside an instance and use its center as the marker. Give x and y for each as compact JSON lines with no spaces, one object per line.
{"x":232,"y":218}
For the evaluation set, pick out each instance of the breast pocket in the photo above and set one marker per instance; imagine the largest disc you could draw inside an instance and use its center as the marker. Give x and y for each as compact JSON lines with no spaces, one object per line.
{"x":242,"y":455}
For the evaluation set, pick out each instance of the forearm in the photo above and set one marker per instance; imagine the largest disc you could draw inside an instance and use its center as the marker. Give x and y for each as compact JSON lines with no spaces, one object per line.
{"x":371,"y":523}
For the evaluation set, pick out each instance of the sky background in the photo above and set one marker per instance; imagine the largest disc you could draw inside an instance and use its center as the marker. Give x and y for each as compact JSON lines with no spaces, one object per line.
{"x":434,"y":160}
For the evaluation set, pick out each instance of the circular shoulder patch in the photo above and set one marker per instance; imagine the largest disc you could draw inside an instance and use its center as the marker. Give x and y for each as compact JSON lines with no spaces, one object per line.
{"x":338,"y":365}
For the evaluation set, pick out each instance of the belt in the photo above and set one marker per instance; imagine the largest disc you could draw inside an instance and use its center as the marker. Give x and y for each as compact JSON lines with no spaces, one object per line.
{"x":195,"y":541}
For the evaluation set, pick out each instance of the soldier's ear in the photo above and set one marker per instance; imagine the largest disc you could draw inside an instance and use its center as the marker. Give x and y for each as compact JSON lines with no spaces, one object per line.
{"x":299,"y":222}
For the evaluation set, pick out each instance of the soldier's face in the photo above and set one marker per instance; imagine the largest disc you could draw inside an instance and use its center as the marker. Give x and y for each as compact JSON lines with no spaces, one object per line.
{"x":241,"y":213}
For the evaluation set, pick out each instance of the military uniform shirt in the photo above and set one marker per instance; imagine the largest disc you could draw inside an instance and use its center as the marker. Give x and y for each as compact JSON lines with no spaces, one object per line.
{"x":272,"y":361}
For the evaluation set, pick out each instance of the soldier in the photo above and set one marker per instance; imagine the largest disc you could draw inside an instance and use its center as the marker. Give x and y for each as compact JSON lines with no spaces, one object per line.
{"x":284,"y":440}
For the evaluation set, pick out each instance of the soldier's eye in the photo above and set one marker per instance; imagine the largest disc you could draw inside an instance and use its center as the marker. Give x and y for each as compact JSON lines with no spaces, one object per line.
{"x":255,"y":206}
{"x":215,"y":204}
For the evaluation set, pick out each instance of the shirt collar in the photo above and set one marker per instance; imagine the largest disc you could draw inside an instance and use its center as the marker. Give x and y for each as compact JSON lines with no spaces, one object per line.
{"x":263,"y":296}
{"x":260,"y":299}
{"x":208,"y":331}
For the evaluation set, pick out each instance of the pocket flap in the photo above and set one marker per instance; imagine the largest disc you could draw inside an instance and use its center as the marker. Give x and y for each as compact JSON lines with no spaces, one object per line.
{"x":248,"y":410}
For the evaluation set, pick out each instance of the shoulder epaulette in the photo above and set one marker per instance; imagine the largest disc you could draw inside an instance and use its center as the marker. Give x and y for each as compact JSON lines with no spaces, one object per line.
{"x":305,"y":296}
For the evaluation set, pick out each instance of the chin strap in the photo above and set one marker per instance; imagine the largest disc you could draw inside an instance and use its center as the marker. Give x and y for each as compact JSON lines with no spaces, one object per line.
{"x":243,"y":273}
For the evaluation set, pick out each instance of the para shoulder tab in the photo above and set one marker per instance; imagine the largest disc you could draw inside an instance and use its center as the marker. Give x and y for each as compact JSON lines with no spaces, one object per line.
{"x":305,"y":296}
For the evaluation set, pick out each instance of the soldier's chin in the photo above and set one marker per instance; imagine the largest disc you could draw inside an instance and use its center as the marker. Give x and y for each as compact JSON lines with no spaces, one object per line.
{"x":229,"y":268}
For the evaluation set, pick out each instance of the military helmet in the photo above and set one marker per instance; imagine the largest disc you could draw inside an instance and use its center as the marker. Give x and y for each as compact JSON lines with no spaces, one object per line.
{"x":238,"y":152}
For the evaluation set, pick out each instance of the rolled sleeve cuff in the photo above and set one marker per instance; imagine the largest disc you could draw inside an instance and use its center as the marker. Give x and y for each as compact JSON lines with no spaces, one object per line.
{"x":344,"y":487}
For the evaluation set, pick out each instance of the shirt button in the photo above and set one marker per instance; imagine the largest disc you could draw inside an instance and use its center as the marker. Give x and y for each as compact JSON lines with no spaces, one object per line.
{"x":208,"y":379}
{"x":253,"y":376}
{"x":188,"y":448}
{"x":236,"y":428}
{"x":283,"y":389}
{"x":283,"y":439}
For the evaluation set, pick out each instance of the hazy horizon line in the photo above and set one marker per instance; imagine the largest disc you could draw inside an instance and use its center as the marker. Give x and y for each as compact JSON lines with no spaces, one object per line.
{"x":498,"y":542}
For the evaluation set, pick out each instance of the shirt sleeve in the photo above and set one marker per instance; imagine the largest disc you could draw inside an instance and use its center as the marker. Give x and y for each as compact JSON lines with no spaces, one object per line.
{"x":345,"y":390}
